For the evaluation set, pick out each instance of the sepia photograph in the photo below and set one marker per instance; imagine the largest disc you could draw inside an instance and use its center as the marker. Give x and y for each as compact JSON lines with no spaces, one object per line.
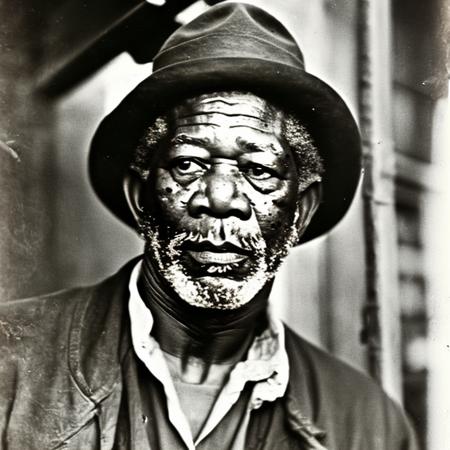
{"x":224,"y":225}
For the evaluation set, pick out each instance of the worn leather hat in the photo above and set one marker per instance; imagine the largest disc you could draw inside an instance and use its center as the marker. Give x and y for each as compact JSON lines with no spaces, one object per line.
{"x":233,"y":46}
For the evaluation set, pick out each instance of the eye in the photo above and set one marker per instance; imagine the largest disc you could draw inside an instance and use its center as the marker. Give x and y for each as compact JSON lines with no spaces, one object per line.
{"x":186,"y":167}
{"x":258,"y":172}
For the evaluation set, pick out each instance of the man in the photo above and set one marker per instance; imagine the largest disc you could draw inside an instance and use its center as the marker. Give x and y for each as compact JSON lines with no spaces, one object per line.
{"x":224,"y":158}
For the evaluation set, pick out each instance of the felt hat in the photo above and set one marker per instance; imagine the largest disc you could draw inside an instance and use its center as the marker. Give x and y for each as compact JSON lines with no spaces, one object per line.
{"x":233,"y":46}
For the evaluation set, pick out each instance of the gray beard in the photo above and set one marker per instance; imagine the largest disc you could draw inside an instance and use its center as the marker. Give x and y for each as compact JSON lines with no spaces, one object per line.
{"x":216,"y":292}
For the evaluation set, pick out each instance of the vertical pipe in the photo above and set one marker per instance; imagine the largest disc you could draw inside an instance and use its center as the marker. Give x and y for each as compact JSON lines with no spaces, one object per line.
{"x":370,"y":333}
{"x":381,"y":312}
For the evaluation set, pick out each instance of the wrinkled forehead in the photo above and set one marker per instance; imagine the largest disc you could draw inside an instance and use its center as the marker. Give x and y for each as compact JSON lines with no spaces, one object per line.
{"x":229,"y":109}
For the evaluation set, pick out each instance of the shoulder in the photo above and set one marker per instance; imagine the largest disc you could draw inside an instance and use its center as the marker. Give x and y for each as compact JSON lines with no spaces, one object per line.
{"x":53,"y":313}
{"x":28,"y":318}
{"x":42,"y":331}
{"x":35,"y":338}
{"x":343,"y":400}
{"x":326,"y":369}
{"x":38,"y":331}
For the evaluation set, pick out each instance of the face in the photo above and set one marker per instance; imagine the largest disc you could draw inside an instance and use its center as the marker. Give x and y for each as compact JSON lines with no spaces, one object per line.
{"x":222,"y":200}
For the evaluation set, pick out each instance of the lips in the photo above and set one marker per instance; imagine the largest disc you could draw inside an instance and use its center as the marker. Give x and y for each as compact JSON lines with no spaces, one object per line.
{"x":217,"y":257}
{"x":208,"y":253}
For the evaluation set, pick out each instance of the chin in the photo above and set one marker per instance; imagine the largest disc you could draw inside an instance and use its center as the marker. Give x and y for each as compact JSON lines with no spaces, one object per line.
{"x":216,"y":292}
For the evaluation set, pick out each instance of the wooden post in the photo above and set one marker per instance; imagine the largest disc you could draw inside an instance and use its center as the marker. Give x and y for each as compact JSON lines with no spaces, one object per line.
{"x":381,"y":322}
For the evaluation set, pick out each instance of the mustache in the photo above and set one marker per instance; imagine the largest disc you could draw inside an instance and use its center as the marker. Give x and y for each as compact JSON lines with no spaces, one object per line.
{"x":246,"y":242}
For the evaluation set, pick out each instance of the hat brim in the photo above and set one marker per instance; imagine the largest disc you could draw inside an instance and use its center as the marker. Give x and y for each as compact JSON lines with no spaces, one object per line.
{"x":321,"y":109}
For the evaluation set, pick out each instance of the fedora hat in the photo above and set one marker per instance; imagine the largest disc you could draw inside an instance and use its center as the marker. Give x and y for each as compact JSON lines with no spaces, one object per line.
{"x":233,"y":46}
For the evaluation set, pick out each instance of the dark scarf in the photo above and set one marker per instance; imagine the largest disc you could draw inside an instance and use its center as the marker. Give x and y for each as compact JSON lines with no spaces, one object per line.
{"x":212,"y":335}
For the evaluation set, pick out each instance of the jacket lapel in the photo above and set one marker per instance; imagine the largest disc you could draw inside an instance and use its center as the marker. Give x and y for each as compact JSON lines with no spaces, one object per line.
{"x":299,"y":399}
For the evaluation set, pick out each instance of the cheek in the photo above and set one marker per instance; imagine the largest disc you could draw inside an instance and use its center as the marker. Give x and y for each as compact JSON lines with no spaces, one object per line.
{"x":169,"y":197}
{"x":170,"y":200}
{"x":276,"y":211}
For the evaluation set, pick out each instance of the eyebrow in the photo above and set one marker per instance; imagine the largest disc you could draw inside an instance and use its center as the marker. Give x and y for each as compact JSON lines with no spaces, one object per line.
{"x":251,"y":146}
{"x":185,"y":139}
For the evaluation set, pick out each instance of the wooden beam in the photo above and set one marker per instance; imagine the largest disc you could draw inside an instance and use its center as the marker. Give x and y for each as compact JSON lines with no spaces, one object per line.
{"x":139,"y":30}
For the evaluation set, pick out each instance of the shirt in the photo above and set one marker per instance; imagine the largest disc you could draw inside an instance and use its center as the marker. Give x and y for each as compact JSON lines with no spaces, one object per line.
{"x":266,"y":365}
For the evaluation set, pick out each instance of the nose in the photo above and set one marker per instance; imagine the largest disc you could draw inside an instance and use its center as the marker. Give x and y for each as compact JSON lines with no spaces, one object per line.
{"x":220,"y":195}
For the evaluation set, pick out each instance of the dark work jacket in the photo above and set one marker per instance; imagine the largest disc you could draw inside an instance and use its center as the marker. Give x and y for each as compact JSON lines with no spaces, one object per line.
{"x":61,"y":381}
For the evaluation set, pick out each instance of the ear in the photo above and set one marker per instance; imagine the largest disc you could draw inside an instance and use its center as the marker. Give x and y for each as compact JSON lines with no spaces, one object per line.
{"x":307,"y":205}
{"x":133,"y":188}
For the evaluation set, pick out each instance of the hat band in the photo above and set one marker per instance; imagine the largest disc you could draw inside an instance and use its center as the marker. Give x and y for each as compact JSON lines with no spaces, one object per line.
{"x":225,"y":45}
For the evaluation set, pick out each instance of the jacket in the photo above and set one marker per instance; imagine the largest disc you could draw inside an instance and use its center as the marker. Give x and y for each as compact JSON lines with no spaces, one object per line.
{"x":61,"y":383}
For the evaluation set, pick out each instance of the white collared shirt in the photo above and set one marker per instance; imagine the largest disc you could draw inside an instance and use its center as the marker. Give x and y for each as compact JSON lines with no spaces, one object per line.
{"x":266,"y":364}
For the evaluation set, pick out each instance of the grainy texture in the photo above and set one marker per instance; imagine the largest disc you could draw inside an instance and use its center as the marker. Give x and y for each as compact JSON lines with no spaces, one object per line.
{"x":24,"y":157}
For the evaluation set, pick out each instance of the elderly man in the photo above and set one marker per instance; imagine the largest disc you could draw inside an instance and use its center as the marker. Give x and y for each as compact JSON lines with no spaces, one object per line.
{"x":224,"y":158}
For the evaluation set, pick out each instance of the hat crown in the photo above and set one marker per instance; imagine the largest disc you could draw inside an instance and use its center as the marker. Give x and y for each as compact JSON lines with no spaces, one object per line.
{"x":231,"y":30}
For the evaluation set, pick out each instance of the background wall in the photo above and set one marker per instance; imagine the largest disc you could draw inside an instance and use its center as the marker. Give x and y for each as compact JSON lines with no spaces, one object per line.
{"x":25,"y":156}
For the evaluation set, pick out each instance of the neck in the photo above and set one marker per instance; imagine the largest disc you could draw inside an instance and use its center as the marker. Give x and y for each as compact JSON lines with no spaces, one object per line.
{"x":186,"y":331}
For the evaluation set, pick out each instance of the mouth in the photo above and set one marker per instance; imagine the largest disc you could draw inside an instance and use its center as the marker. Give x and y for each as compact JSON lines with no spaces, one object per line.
{"x":208,"y":257}
{"x":206,"y":253}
